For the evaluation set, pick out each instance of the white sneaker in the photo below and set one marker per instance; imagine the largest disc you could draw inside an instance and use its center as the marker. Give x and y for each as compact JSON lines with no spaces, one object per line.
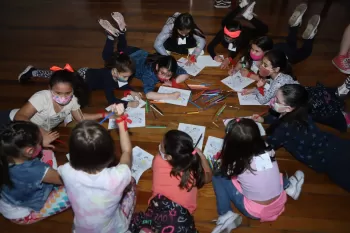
{"x":227,"y":222}
{"x":248,"y":13}
{"x":108,"y":27}
{"x":222,"y":4}
{"x":296,"y":183}
{"x":311,"y":28}
{"x":243,"y":3}
{"x":297,"y":16}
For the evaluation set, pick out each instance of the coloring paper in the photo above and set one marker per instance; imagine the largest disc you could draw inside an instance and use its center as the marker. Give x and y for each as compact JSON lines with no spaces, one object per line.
{"x":213,"y":146}
{"x":141,"y":161}
{"x":237,"y":82}
{"x":195,"y":131}
{"x":136,"y":115}
{"x":193,"y":69}
{"x":248,"y":99}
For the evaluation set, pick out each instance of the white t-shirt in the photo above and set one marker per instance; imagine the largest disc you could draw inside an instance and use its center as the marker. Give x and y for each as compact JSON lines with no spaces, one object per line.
{"x":95,"y":198}
{"x":46,"y":117}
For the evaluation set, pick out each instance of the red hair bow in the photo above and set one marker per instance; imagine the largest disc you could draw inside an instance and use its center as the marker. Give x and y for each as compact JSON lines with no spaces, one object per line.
{"x":261,"y":90}
{"x":125,"y":119}
{"x":66,"y":67}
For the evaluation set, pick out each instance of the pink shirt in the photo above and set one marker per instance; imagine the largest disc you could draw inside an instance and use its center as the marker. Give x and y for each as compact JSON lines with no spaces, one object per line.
{"x":262,"y":185}
{"x":168,"y":185}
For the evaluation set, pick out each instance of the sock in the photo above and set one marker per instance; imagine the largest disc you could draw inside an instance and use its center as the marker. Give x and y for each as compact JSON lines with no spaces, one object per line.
{"x":110,"y":37}
{"x":344,"y":88}
{"x":34,"y":73}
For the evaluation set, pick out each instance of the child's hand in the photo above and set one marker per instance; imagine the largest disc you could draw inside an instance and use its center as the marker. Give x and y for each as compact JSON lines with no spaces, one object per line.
{"x":133,"y":104}
{"x":168,"y":83}
{"x":244,"y":72}
{"x":257,"y":118}
{"x":218,"y":59}
{"x":225,"y":64}
{"x":48,"y":138}
{"x":175,"y":95}
{"x":136,"y":94}
{"x":261,"y":83}
{"x":247,"y":91}
{"x":118,"y":109}
{"x":232,"y":71}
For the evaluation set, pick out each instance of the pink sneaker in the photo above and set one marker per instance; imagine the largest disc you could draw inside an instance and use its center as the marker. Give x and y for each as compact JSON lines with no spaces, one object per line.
{"x":342,"y":63}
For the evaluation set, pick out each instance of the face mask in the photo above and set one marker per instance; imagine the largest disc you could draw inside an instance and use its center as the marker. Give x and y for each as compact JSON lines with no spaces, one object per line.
{"x":37,"y":151}
{"x":279,"y":107}
{"x":122,"y":80}
{"x":255,"y":57}
{"x":161,"y":153}
{"x":264,"y":72}
{"x":62,"y":100}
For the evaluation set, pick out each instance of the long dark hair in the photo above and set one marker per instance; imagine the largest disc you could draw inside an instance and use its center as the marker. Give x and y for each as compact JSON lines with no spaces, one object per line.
{"x":121,"y":61}
{"x":185,"y":21}
{"x":186,"y":166}
{"x":242,"y":142}
{"x":295,"y":96}
{"x":162,"y":61}
{"x":80,"y":88}
{"x":14,"y":137}
{"x":91,"y":148}
{"x":265,"y":43}
{"x":279,"y":59}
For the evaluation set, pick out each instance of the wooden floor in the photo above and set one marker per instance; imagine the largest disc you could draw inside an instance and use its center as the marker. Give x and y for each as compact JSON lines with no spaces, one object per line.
{"x":46,"y":32}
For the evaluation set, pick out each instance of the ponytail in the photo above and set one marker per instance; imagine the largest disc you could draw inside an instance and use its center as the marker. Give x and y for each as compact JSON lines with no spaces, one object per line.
{"x":80,"y":88}
{"x":186,"y":165}
{"x":120,"y":61}
{"x":13,"y":138}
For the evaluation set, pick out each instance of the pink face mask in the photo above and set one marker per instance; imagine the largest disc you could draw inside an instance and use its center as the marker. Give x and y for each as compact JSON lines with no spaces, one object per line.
{"x":264,"y":72}
{"x":62,"y":100}
{"x":256,"y":57}
{"x":37,"y":151}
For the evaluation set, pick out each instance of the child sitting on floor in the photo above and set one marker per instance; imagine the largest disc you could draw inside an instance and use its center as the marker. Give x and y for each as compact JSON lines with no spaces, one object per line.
{"x":179,"y":170}
{"x":30,"y":188}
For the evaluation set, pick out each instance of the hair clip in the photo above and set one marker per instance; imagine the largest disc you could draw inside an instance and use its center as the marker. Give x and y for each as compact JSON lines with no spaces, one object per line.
{"x":66,"y":67}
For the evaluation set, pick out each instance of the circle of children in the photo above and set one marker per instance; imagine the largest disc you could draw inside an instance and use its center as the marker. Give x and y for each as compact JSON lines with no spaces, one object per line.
{"x":97,"y":181}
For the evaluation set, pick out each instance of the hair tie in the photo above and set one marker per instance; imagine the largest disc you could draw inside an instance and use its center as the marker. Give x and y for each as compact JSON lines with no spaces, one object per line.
{"x":234,"y":34}
{"x":238,"y":119}
{"x":121,"y":52}
{"x":125,"y":119}
{"x":194,"y":151}
{"x":66,"y":67}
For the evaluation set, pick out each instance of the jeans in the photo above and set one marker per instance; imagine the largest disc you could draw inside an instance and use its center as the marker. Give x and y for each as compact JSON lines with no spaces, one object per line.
{"x":122,"y":46}
{"x":295,"y":54}
{"x":226,"y":192}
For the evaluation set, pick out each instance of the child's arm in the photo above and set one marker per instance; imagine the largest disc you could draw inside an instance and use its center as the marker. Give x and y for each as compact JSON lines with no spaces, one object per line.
{"x":211,"y":46}
{"x":162,"y":96}
{"x":125,"y":143}
{"x":78,"y":115}
{"x":52,"y":177}
{"x":207,"y":170}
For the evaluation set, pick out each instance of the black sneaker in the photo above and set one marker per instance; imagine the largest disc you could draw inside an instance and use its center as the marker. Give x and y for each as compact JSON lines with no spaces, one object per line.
{"x":26,"y":75}
{"x":222,"y":4}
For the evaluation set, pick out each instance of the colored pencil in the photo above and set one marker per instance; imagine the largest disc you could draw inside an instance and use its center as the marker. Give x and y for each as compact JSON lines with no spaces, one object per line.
{"x":215,"y":124}
{"x":194,"y":112}
{"x":157,"y":109}
{"x":60,"y":141}
{"x":187,"y":86}
{"x":155,"y":117}
{"x":156,"y":126}
{"x":199,"y":139}
{"x":104,"y":119}
{"x":196,"y":105}
{"x":261,"y":114}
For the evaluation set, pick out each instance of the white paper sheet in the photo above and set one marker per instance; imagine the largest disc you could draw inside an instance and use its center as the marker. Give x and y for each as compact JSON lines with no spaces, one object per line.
{"x":261,"y":128}
{"x":141,"y":161}
{"x":130,"y":98}
{"x":195,"y":131}
{"x":207,"y":61}
{"x":193,"y":69}
{"x":237,"y":82}
{"x":248,"y":99}
{"x":182,"y":100}
{"x":213,"y":146}
{"x":136,"y":115}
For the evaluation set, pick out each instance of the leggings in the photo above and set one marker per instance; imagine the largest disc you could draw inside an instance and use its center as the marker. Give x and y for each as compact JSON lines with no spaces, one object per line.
{"x":295,"y":54}
{"x":163,"y":216}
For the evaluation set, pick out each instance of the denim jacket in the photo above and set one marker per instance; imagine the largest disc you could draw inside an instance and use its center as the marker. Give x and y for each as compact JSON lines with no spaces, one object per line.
{"x":28,"y":189}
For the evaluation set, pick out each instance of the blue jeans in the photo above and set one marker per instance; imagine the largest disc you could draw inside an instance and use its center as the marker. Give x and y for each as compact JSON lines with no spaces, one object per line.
{"x":226,"y":192}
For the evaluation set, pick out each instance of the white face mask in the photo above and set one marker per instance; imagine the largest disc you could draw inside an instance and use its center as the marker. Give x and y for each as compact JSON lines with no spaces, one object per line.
{"x":161,"y":153}
{"x":279,"y":107}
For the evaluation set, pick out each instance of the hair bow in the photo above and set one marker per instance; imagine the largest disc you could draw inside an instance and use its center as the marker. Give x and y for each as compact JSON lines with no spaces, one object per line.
{"x":126,"y":120}
{"x":66,"y":67}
